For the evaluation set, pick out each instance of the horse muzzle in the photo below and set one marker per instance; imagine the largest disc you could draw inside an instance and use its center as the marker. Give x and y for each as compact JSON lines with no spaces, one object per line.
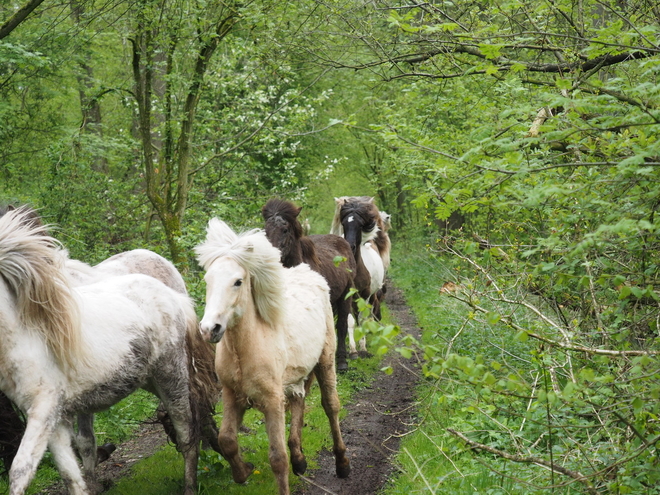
{"x":216,"y":333}
{"x":213,"y":334}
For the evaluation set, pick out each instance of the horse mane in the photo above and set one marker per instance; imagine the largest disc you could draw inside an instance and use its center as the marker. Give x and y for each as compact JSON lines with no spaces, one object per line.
{"x":308,"y":249}
{"x":289,"y":212}
{"x":254,"y":252}
{"x":204,"y":386}
{"x":362,"y":206}
{"x":32,"y":267}
{"x":382,"y":240}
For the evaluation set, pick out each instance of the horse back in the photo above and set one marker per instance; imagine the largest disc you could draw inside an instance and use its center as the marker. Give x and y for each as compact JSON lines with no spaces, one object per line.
{"x":145,"y":262}
{"x":308,"y":322}
{"x":339,"y":275}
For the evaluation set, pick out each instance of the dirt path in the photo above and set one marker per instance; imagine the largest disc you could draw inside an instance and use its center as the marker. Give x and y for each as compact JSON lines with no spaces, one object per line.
{"x":376,"y":419}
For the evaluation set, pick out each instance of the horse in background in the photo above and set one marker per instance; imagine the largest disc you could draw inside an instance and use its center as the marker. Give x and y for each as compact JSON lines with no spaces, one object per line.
{"x":285,"y":232}
{"x":275,"y":332}
{"x":69,"y":350}
{"x":358,"y":219}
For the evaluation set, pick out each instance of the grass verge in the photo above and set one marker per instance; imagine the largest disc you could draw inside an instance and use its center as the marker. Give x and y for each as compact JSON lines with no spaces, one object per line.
{"x":431,"y":460}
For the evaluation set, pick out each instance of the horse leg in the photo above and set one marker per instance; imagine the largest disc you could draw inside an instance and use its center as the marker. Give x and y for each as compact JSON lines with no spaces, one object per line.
{"x":86,"y":444}
{"x":363,"y":346}
{"x":273,"y":409}
{"x":343,"y":307}
{"x":351,"y":337}
{"x":327,"y":378}
{"x":232,"y":417}
{"x":65,"y":458}
{"x":90,"y":454}
{"x":297,"y":408}
{"x":172,"y":387}
{"x":375,"y":305}
{"x":41,"y":420}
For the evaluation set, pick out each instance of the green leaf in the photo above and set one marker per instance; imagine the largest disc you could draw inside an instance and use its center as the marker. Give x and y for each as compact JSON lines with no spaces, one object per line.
{"x":405,"y":352}
{"x":563,"y":83}
{"x":493,"y":318}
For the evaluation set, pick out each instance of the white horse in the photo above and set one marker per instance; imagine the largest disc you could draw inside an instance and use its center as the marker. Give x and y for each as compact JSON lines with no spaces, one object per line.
{"x":69,"y":350}
{"x":202,"y":373}
{"x":275,"y":331}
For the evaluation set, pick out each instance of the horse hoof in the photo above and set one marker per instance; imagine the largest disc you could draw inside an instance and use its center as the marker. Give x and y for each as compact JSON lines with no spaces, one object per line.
{"x":342,"y":366}
{"x":353,"y":355}
{"x":299,"y":467}
{"x":103,"y":452}
{"x":343,"y":468}
{"x":241,"y":477}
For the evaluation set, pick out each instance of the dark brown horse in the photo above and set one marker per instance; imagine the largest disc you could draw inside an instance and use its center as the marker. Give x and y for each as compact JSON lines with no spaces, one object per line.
{"x":358,"y":220}
{"x":284,"y":231}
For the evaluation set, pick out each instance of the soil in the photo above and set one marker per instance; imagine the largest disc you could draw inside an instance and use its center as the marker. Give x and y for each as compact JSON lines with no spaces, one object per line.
{"x":375,"y":421}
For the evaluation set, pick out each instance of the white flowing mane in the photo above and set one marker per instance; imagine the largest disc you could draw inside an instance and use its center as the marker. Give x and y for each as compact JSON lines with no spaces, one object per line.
{"x":254,"y":252}
{"x":31,"y":265}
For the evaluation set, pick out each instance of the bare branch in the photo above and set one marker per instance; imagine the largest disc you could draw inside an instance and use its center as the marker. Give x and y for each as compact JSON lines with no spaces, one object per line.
{"x":19,"y":16}
{"x":576,"y":475}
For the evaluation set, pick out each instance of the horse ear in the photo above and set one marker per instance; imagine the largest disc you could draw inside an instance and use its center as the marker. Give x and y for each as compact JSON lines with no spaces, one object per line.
{"x":298,"y":210}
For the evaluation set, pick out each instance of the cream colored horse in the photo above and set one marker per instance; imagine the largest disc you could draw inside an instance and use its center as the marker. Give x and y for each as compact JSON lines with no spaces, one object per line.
{"x":275,"y":331}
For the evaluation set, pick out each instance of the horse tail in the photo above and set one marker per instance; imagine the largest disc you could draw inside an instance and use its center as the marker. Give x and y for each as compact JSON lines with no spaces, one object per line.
{"x":204,"y":385}
{"x":32,"y":266}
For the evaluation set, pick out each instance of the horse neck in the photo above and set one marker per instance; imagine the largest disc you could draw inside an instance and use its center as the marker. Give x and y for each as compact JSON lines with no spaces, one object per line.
{"x":383,"y":244}
{"x":294,"y":257}
{"x":362,"y":279}
{"x":241,"y":334}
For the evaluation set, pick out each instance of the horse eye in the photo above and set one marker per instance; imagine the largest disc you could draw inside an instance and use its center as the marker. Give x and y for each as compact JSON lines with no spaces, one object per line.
{"x":238,"y":283}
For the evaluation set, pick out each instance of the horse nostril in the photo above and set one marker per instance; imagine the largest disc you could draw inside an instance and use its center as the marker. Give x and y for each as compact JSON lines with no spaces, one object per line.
{"x":216,"y":333}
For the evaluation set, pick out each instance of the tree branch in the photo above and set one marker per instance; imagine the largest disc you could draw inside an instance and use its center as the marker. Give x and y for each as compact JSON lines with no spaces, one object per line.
{"x":18,"y":17}
{"x":576,"y":475}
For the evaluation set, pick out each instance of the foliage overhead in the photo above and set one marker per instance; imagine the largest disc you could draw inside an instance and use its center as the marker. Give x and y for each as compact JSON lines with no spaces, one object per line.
{"x":520,"y":136}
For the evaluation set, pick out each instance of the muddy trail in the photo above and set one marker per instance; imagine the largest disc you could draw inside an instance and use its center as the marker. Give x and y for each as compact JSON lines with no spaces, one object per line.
{"x":376,"y":419}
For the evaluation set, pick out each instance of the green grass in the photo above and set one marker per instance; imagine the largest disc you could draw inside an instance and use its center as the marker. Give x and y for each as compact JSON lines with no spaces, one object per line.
{"x":431,"y":460}
{"x":162,"y":473}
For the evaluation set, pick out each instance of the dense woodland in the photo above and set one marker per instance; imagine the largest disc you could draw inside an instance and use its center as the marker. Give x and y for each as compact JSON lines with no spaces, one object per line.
{"x":517,"y":140}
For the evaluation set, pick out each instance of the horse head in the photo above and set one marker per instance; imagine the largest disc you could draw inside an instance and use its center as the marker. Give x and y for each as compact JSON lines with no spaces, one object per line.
{"x":241,"y":270}
{"x":358,"y":217}
{"x":227,"y":291}
{"x":283,"y":228}
{"x":386,"y":220}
